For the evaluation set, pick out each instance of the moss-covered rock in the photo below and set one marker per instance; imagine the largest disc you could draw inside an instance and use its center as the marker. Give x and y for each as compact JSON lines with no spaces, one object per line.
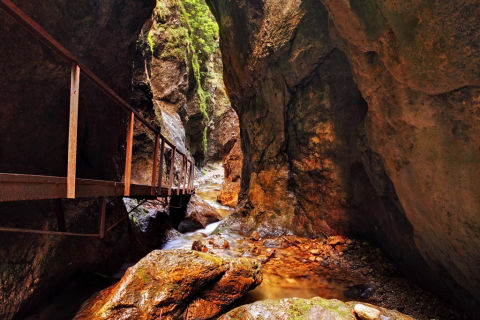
{"x":175,"y":284}
{"x":306,"y":309}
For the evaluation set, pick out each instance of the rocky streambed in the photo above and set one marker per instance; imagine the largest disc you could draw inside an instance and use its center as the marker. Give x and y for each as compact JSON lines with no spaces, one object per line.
{"x":210,"y":273}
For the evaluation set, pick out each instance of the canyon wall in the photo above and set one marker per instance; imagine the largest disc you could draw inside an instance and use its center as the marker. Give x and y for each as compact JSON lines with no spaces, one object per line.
{"x":34,"y":90}
{"x":178,"y":80}
{"x":361,"y":118}
{"x":178,"y":85}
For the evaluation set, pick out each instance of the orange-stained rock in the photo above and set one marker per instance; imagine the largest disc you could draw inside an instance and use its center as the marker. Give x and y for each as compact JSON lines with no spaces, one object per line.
{"x":234,"y":283}
{"x":164,"y":283}
{"x":232,"y":161}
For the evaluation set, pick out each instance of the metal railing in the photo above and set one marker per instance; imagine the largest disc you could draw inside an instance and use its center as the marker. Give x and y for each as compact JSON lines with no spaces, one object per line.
{"x":17,"y":187}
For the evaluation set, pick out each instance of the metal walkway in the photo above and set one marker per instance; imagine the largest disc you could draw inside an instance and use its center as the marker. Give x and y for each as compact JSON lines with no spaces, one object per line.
{"x":23,"y":187}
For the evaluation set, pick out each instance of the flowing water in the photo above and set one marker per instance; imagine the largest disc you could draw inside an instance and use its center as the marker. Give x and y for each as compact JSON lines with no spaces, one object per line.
{"x":292,"y":267}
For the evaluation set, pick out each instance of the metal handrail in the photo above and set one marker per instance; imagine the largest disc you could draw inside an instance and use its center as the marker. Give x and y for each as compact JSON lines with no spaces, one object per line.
{"x":77,"y":67}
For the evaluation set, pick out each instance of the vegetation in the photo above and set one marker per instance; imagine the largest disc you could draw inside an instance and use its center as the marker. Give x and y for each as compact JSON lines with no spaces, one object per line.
{"x":189,"y":32}
{"x":151,"y":42}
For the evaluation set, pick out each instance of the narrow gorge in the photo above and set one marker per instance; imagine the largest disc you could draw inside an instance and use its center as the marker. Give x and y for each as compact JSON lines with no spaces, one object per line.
{"x":240,"y":159}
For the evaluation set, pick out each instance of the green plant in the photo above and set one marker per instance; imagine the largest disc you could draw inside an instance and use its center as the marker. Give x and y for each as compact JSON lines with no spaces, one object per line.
{"x":151,"y":42}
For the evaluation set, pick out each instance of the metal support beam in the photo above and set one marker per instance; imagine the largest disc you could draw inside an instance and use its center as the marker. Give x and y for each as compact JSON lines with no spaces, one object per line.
{"x":128,"y":156}
{"x":155,"y":165}
{"x":72,"y":130}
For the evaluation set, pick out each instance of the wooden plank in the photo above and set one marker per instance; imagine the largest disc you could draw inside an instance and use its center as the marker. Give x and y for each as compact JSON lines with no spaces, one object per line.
{"x":128,"y":156}
{"x":73,"y":130}
{"x":155,"y":165}
{"x":172,"y":168}
{"x":162,"y":160}
{"x":103,"y":208}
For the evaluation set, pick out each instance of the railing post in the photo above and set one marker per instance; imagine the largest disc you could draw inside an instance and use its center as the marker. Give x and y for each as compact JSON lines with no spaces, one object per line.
{"x":190,"y":177}
{"x":172,"y":168}
{"x":192,"y":169}
{"x":155,"y":165}
{"x":128,"y":156}
{"x":160,"y":172}
{"x":73,"y":130}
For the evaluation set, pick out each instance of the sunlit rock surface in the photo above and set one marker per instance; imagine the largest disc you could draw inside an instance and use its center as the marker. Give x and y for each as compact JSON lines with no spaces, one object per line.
{"x":174,"y":284}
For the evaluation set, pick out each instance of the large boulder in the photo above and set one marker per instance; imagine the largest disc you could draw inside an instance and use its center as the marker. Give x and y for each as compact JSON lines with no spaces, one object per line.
{"x":311,"y":309}
{"x":198,"y":215}
{"x":174,"y":284}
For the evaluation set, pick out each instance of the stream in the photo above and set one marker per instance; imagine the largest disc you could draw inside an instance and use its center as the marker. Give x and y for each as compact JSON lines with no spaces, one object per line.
{"x":335,"y":267}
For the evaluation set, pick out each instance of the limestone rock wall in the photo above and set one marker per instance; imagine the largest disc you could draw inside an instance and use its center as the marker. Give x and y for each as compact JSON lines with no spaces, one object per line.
{"x":361,"y":117}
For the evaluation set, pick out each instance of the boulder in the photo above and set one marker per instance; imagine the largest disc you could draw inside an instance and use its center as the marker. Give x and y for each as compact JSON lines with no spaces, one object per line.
{"x":174,"y":284}
{"x":199,"y":214}
{"x":310,"y":309}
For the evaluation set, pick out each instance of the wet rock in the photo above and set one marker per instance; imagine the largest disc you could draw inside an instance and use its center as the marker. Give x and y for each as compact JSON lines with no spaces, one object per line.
{"x":174,"y":284}
{"x":310,"y":309}
{"x":366,"y":313}
{"x":198,"y":245}
{"x":273,"y":243}
{"x":151,"y":226}
{"x":199,"y":214}
{"x":221,"y":244}
{"x":243,"y":275}
{"x":293,"y":308}
{"x":255,"y":236}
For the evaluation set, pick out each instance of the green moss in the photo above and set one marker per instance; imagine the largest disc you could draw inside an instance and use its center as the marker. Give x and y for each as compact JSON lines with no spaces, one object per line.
{"x":189,"y":32}
{"x":151,"y":42}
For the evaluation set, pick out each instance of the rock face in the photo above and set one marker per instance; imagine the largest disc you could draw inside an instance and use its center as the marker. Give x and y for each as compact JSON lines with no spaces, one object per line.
{"x":299,"y":112}
{"x":418,"y":71}
{"x":360,"y":117}
{"x":174,"y":284}
{"x":312,"y":309}
{"x":230,"y":141}
{"x":33,"y":136}
{"x":151,"y":226}
{"x":178,"y":81}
